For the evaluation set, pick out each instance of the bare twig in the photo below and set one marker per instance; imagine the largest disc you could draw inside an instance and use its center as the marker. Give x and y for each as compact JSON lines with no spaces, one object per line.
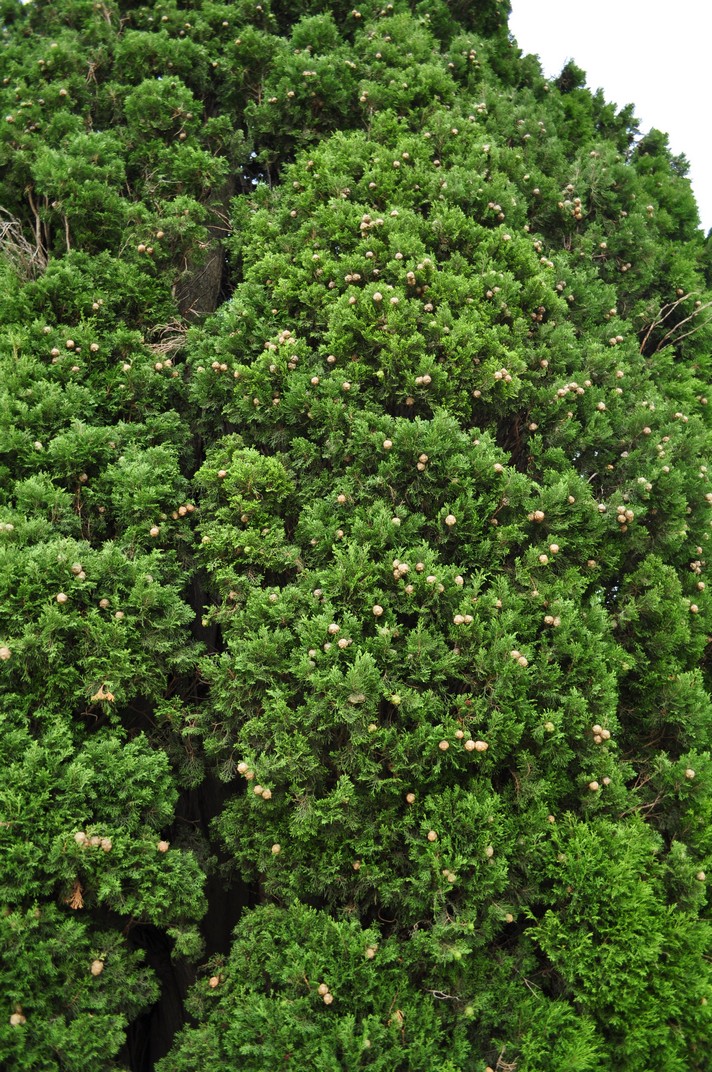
{"x":38,"y":222}
{"x":170,"y":337}
{"x":28,"y":261}
{"x":699,"y":309}
{"x":661,"y":316}
{"x":673,"y":336}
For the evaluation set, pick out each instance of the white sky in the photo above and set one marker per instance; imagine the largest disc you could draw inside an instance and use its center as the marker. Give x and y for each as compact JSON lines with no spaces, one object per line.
{"x":655,"y":54}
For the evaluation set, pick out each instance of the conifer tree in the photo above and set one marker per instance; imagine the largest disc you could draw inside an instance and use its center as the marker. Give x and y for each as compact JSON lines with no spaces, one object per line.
{"x":353,"y":522}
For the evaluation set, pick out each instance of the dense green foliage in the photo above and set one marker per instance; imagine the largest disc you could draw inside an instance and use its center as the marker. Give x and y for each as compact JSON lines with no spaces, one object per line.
{"x":353,"y":441}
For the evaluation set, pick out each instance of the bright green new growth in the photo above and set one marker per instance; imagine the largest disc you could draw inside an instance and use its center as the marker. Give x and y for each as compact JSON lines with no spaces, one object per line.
{"x":344,"y":329}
